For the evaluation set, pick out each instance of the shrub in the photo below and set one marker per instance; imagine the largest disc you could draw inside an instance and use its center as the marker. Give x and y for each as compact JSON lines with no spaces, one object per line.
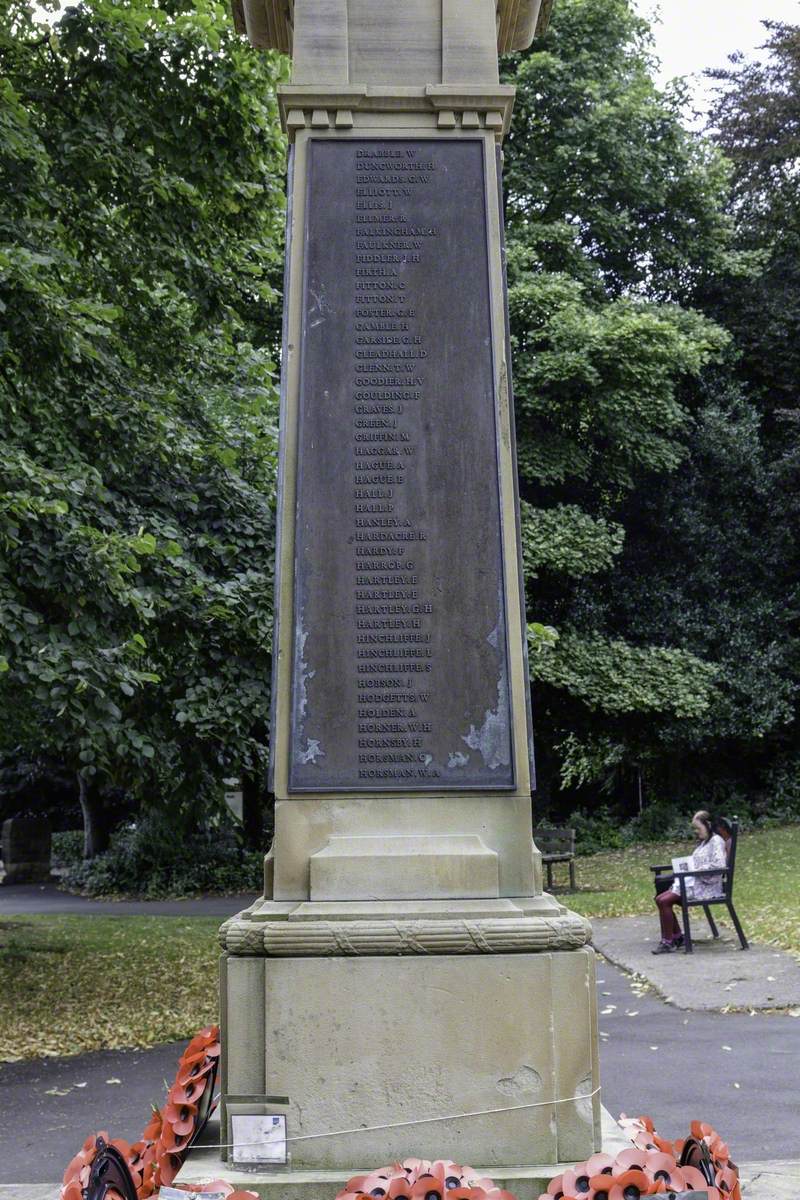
{"x":152,"y":860}
{"x":598,"y":830}
{"x":68,"y":848}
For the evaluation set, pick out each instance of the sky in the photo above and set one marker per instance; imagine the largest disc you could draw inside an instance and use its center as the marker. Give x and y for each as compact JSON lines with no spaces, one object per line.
{"x":695,"y":34}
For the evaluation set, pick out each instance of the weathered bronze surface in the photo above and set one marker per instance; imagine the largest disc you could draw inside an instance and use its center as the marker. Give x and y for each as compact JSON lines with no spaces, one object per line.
{"x":400,"y":675}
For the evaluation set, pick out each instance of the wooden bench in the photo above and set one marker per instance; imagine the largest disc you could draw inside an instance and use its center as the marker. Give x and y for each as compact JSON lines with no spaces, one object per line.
{"x":664,"y":871}
{"x":557,"y":846}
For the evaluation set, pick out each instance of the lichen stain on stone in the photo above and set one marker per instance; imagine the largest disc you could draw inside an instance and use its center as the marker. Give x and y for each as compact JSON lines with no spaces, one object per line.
{"x":492,"y":739}
{"x":319,"y":310}
{"x":523,"y":1081}
{"x":313,"y":750}
{"x":459,"y":759}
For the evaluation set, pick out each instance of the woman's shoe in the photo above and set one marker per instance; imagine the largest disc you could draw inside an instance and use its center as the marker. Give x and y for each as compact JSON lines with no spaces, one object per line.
{"x":664,"y":948}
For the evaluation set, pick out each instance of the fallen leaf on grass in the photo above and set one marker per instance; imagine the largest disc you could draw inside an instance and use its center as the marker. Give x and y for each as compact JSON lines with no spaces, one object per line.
{"x":112,"y":1080}
{"x":58,"y":1091}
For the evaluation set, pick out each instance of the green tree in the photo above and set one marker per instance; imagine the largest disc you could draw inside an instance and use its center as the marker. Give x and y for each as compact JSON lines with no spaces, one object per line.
{"x":141,"y":185}
{"x":616,"y":223}
{"x":755,"y":119}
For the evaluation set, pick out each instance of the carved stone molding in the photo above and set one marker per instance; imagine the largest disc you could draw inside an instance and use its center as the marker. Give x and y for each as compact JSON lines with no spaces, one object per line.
{"x":320,"y":939}
{"x":304,"y":106}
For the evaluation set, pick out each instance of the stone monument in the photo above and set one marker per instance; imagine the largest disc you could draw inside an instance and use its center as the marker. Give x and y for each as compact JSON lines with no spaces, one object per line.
{"x":404,"y":986}
{"x":26,"y":848}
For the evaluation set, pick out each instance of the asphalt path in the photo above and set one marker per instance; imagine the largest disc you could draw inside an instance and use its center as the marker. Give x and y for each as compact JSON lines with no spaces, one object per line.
{"x":23,"y":899}
{"x":656,"y":1059}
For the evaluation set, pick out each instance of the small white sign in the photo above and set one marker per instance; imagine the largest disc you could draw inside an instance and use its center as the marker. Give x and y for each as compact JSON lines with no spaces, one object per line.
{"x":259,"y":1139}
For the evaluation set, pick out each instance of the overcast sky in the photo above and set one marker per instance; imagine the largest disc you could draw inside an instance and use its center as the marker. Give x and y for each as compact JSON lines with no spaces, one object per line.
{"x":695,"y":34}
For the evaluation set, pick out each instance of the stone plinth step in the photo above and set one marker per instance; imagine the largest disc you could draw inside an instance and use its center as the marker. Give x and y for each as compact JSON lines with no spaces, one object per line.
{"x":525,"y":1182}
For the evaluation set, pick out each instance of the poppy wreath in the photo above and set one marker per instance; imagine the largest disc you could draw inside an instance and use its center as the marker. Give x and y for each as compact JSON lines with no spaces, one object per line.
{"x":157,"y":1157}
{"x":78,"y":1175}
{"x":627,"y":1176}
{"x":704,"y":1150}
{"x":418,"y":1179}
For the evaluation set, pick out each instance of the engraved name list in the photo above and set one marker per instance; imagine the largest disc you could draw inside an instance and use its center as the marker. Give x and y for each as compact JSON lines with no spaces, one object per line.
{"x":400,"y":674}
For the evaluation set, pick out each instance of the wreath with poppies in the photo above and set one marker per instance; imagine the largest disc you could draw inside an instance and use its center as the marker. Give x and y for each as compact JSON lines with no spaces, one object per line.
{"x":700,"y":1162}
{"x":113,"y":1169}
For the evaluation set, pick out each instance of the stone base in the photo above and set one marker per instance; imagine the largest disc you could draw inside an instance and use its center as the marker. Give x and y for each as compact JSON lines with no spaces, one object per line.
{"x":386,"y":1057}
{"x":525,"y":1183}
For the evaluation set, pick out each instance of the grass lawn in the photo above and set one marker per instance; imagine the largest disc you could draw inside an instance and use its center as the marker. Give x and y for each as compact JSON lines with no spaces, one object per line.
{"x":617,"y":883}
{"x":70,"y":984}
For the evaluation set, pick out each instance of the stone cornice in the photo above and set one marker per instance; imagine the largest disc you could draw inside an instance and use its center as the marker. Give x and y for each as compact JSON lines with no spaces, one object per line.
{"x":268,"y":23}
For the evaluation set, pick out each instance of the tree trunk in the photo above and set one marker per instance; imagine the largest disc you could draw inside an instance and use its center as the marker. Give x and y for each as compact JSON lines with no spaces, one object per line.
{"x":95,"y":823}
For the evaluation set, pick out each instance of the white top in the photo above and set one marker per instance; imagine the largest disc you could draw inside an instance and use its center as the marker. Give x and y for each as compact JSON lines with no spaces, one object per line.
{"x":707,"y":855}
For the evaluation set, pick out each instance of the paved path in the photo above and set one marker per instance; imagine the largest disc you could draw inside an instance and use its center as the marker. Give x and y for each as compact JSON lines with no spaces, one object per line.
{"x":718,"y":975}
{"x":21,"y":899}
{"x":653,"y":1056}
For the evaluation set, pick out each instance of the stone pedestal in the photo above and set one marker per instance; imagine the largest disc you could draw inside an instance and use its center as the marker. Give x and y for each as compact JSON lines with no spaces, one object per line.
{"x":404,"y":986}
{"x":410,"y":1047}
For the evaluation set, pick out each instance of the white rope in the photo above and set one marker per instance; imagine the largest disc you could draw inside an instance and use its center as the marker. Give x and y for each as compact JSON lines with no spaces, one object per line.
{"x":483,"y":1112}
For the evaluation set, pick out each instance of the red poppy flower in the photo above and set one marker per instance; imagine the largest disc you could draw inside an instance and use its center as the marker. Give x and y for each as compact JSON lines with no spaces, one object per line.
{"x":628,"y":1185}
{"x":169,"y":1163}
{"x":600,"y":1164}
{"x":630,"y":1160}
{"x":188,"y":1093}
{"x":376,"y":1183}
{"x":182,"y":1117}
{"x":172,"y":1141}
{"x":152,"y":1130}
{"x":555,"y":1188}
{"x":193,"y":1066}
{"x":662,"y":1168}
{"x":727,"y":1180}
{"x":696,"y":1181}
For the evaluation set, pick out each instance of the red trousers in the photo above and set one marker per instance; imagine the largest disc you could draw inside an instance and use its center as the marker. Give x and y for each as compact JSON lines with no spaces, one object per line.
{"x":670,"y":929}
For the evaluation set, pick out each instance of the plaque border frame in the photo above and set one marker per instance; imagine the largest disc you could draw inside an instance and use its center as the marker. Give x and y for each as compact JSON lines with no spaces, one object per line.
{"x":403,"y":126}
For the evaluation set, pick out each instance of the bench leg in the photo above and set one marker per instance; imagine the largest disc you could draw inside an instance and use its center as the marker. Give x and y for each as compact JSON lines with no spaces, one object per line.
{"x":572,"y":884}
{"x":737,"y":926}
{"x":714,"y":930}
{"x":687,"y":932}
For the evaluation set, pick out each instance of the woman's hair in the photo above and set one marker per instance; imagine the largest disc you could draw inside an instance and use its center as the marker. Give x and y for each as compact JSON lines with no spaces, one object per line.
{"x":707,"y":820}
{"x":723,"y":827}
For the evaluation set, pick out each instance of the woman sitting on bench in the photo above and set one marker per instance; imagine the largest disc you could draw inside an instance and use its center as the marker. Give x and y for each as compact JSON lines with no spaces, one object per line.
{"x":711,"y":852}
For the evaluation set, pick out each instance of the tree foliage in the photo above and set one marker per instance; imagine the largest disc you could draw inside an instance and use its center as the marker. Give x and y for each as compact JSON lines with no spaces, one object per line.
{"x":140,"y":230}
{"x":657,"y":377}
{"x":616,"y":217}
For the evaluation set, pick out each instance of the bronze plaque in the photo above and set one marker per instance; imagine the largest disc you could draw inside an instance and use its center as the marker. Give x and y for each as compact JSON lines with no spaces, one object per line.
{"x":400,"y":670}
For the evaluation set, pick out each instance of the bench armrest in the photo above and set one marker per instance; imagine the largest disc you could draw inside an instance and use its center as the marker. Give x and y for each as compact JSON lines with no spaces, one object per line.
{"x":705,"y":871}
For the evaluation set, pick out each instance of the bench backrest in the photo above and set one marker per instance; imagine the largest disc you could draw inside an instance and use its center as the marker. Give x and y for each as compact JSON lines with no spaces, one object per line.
{"x":555,"y":841}
{"x":731,"y":857}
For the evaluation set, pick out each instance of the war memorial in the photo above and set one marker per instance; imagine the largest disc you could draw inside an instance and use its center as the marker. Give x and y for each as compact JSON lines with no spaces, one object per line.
{"x":404,"y":986}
